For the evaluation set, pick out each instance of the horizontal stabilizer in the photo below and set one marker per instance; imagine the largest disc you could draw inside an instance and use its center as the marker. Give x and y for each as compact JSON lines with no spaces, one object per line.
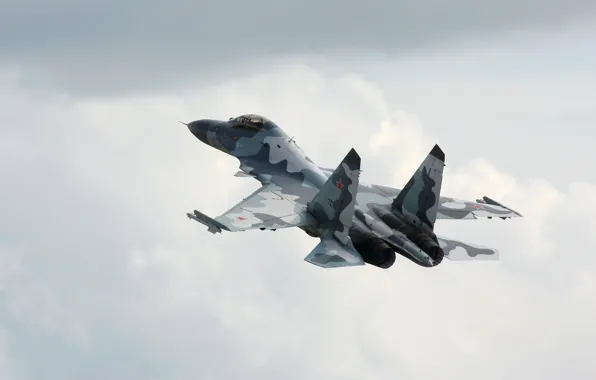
{"x":213,"y":225}
{"x":459,"y":251}
{"x":330,"y":253}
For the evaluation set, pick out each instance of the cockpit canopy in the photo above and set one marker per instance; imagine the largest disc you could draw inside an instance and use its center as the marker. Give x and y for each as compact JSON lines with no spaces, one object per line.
{"x":251,"y":120}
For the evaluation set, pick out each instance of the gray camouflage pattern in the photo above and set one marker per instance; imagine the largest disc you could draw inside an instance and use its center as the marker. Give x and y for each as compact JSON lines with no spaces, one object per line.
{"x":418,"y":199}
{"x":333,"y":205}
{"x":330,"y":253}
{"x":459,"y":251}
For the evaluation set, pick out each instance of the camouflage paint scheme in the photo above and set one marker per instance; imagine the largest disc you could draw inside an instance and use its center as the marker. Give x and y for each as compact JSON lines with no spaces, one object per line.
{"x":356,"y":223}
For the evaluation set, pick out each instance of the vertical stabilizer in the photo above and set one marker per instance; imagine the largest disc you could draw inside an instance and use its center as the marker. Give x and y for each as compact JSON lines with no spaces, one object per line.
{"x":419,"y":199}
{"x":333,"y":206}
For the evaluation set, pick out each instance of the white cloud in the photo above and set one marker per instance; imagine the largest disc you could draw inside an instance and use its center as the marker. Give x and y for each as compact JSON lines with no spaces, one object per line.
{"x":120,"y":284}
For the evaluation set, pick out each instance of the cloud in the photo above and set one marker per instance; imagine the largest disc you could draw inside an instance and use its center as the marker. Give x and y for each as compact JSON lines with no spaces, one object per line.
{"x":103,"y":276}
{"x":110,"y":47}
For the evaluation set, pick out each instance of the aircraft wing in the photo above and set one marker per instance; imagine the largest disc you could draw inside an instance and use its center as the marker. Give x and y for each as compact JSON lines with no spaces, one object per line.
{"x":267,"y":208}
{"x":451,"y":208}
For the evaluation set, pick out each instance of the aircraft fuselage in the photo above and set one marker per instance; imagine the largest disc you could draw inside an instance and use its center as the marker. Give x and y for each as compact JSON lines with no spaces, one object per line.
{"x":263,"y":148}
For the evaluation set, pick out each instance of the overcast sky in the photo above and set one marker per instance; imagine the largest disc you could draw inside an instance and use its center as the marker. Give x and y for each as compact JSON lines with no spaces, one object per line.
{"x":111,"y":47}
{"x":102,"y":276}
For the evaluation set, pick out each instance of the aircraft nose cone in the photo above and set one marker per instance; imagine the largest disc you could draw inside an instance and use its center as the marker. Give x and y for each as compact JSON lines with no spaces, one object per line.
{"x":199,"y":128}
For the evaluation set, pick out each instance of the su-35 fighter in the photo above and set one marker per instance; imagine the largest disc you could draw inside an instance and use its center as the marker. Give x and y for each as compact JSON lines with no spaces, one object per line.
{"x":356,"y":223}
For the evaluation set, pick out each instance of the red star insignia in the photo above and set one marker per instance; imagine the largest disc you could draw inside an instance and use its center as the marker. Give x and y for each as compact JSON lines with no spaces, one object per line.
{"x":478,"y":207}
{"x":240,"y":218}
{"x":339,"y":184}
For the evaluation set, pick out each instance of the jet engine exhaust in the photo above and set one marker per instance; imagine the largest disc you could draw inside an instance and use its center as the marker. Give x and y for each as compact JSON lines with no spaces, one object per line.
{"x":428,"y":245}
{"x":425,"y":240}
{"x":376,"y":252}
{"x":373,"y":250}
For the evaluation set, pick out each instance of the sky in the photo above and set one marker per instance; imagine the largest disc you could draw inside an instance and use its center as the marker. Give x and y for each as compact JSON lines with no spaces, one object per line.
{"x":102,"y":276}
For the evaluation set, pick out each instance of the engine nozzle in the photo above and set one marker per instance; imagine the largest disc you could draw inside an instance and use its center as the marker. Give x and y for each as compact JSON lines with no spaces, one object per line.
{"x":429,"y":245}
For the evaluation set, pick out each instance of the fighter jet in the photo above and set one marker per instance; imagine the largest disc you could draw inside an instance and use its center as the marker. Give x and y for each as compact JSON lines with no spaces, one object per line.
{"x":356,"y":223}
